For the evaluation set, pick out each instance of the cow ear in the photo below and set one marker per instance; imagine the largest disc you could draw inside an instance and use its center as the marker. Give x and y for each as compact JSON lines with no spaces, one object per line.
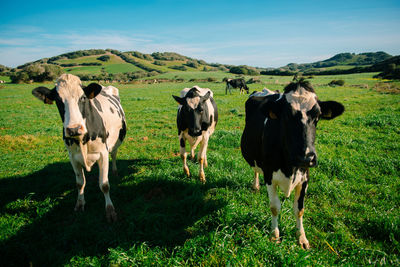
{"x":180,"y":100}
{"x":330,"y":109}
{"x":206,"y":96}
{"x":92,"y":90}
{"x":44,"y":94}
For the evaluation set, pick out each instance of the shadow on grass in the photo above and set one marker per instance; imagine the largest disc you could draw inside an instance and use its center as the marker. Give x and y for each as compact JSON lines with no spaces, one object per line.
{"x":152,"y":210}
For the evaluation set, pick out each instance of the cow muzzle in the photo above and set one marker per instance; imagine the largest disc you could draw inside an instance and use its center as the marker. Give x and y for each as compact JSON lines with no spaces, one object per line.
{"x":195,"y":133}
{"x":310,"y":160}
{"x":75,"y":130}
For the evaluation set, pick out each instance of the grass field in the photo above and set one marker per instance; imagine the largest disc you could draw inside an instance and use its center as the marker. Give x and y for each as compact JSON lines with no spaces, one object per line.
{"x":352,"y":205}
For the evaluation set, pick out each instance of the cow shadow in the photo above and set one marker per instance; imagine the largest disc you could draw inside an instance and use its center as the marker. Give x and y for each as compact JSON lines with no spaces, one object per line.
{"x":42,"y":228}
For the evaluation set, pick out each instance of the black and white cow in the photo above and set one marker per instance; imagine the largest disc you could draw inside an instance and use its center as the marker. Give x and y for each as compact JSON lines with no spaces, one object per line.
{"x":94,"y":126}
{"x":278,"y":142}
{"x":196,"y":120}
{"x":236,"y":83}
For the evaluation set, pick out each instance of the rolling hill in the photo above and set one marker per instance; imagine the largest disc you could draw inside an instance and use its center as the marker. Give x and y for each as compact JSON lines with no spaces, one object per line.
{"x":341,"y":61}
{"x":114,"y":65}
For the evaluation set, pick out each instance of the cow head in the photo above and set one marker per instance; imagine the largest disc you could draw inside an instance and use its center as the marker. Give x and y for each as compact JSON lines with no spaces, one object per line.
{"x":194,"y":111}
{"x":70,"y":98}
{"x":296,"y":114}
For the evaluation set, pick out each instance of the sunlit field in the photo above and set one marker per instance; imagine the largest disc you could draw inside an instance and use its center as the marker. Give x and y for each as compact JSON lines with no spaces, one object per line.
{"x":352,"y":205}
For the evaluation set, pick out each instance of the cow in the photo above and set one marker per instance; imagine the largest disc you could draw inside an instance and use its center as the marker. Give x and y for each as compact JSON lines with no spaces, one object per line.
{"x":236,"y":83}
{"x":94,"y":126}
{"x":196,"y":120}
{"x":278,"y":142}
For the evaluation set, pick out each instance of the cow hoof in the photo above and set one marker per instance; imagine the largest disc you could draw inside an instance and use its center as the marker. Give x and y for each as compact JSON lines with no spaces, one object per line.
{"x":80,"y":206}
{"x":275,"y":236}
{"x":303,"y":242}
{"x":202,"y":178}
{"x":111,"y":214}
{"x":186,"y":171}
{"x":256,"y":188}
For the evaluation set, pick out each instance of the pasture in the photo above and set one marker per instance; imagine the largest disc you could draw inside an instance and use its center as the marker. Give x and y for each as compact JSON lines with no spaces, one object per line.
{"x":352,"y":205}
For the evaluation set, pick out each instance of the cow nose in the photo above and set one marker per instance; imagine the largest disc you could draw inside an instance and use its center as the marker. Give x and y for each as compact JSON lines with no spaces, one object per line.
{"x":74,"y":130}
{"x":311,"y":159}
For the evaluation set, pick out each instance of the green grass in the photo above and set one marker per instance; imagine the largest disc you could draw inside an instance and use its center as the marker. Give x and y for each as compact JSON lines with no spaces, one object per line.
{"x":351,"y":207}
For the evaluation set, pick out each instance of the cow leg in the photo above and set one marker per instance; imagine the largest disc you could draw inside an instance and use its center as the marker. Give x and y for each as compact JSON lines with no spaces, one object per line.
{"x":192,"y":148}
{"x":275,"y":206}
{"x":105,"y":186}
{"x":205,"y":161}
{"x":80,"y":185}
{"x":202,"y":156}
{"x":114,"y":162}
{"x":256,"y":182}
{"x":183,"y":153}
{"x":298,"y":207}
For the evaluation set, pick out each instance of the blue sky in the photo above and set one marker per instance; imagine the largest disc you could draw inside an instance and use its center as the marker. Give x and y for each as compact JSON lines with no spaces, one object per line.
{"x":256,"y":33}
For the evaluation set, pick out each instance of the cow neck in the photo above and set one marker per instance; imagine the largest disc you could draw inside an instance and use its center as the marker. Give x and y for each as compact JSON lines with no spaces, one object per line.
{"x":84,"y":152}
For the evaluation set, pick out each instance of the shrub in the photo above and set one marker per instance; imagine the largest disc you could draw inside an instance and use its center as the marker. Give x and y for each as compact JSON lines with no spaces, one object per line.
{"x":192,"y":64}
{"x":336,"y":82}
{"x":159,"y":63}
{"x":243,"y":70}
{"x":37,"y":73}
{"x":20,"y":77}
{"x":182,"y":68}
{"x":104,"y":58}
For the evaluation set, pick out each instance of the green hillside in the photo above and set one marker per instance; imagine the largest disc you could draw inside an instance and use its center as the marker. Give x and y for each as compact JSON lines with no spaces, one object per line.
{"x":114,"y":65}
{"x":341,"y":61}
{"x":109,"y":64}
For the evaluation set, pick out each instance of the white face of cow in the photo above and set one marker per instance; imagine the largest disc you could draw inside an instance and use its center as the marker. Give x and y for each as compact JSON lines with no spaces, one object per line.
{"x":72,"y":102}
{"x":69,"y":89}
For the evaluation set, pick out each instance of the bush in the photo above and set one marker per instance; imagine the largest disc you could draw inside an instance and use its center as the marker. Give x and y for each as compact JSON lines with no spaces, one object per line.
{"x":336,"y":82}
{"x":192,"y":64}
{"x":104,"y":58}
{"x":182,"y":68}
{"x":391,"y":72}
{"x":20,"y":77}
{"x":159,"y":63}
{"x":243,"y":70}
{"x":37,"y":73}
{"x":253,"y":80}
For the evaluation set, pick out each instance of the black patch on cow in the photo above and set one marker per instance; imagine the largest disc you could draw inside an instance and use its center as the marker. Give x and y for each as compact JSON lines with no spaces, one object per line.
{"x":97,"y":104}
{"x":94,"y":122}
{"x":122,"y":131}
{"x":300,"y":201}
{"x":69,"y":141}
{"x":114,"y":100}
{"x":111,"y":109}
{"x":182,"y":142}
{"x":215,"y":111}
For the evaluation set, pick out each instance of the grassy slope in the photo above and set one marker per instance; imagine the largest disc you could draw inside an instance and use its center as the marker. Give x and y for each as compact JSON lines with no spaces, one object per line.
{"x":114,"y":65}
{"x":118,"y":65}
{"x":352,"y":204}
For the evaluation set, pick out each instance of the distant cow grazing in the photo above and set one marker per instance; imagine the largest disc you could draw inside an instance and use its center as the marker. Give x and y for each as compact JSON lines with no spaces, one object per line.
{"x":278,"y":142}
{"x":236,"y":83}
{"x":196,"y":120}
{"x":93,"y":127}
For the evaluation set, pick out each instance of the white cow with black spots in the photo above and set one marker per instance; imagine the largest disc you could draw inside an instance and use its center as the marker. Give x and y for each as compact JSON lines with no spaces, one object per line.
{"x":94,"y":127}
